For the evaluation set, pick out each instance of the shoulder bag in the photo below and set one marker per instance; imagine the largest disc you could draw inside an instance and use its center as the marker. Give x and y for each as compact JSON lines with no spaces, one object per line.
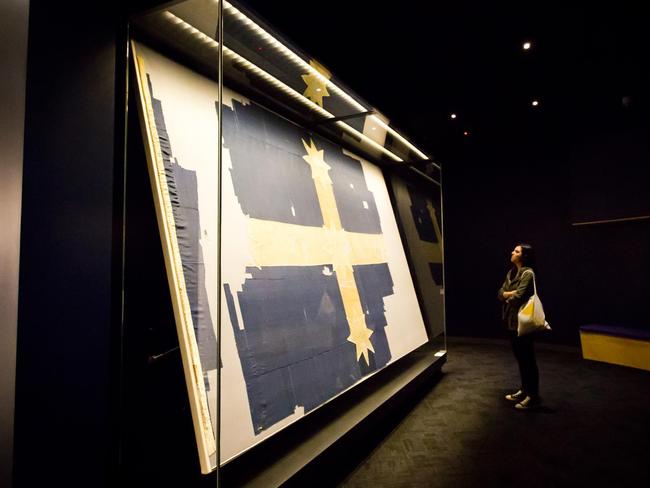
{"x":531,"y":316}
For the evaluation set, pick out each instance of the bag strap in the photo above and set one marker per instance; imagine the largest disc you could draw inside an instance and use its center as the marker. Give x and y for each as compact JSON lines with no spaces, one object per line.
{"x":534,"y":284}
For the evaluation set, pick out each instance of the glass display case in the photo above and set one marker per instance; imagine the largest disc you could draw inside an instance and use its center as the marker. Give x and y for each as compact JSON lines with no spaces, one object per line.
{"x":301,"y":238}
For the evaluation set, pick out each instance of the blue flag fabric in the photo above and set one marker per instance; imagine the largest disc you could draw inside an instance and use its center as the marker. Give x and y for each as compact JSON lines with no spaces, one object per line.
{"x":293,"y":345}
{"x":421,"y":216}
{"x":182,"y":186}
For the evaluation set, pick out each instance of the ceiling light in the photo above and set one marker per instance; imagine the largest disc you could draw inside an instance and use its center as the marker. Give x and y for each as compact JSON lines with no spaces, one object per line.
{"x":453,"y":116}
{"x":526,"y":46}
{"x":535,"y":103}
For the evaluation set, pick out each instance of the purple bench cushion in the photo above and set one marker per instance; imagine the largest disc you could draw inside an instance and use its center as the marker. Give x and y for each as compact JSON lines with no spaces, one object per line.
{"x":612,"y":330}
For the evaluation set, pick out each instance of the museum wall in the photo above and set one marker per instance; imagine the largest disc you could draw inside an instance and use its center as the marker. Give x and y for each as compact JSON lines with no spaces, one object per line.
{"x":13,"y":59}
{"x":505,"y":191}
{"x":63,"y":427}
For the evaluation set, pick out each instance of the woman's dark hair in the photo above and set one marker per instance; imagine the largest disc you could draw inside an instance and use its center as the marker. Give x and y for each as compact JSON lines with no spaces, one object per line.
{"x":527,"y":255}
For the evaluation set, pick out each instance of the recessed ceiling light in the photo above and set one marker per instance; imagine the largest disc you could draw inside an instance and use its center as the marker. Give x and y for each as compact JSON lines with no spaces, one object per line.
{"x":465,"y":133}
{"x":535,"y":103}
{"x":526,"y":46}
{"x":453,"y":116}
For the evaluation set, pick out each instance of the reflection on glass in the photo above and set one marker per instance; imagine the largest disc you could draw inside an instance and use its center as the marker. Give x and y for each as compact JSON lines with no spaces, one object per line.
{"x":419,"y":206}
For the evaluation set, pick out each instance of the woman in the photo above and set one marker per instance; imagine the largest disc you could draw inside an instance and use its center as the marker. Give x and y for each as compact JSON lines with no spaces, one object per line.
{"x":515,"y":291}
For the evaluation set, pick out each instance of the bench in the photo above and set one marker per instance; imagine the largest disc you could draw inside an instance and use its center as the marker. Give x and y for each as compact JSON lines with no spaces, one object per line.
{"x":625,"y":346}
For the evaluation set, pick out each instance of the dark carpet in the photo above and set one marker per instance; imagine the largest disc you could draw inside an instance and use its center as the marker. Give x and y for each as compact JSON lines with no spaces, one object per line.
{"x":592,"y":429}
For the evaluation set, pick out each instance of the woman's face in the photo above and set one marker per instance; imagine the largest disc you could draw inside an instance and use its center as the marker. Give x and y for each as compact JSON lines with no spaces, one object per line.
{"x":515,"y":256}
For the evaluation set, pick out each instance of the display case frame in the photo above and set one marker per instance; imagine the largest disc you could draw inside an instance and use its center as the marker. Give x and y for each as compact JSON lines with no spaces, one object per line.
{"x":323,"y":127}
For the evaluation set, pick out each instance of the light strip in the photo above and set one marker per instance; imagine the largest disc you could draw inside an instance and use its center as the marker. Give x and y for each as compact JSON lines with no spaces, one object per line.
{"x":423,"y":175}
{"x":610,"y":221}
{"x":366,"y":139}
{"x":292,"y":56}
{"x":276,"y":83}
{"x":303,"y":65}
{"x":396,"y":134}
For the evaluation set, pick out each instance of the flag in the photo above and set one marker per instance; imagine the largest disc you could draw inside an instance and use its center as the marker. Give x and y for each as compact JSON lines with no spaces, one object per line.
{"x":312,"y":312}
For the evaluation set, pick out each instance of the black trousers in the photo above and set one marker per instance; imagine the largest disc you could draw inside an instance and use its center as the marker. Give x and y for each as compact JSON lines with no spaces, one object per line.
{"x":524,"y":349}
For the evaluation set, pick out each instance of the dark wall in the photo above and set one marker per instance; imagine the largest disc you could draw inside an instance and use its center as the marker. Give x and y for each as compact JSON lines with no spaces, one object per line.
{"x":610,"y":176}
{"x":501,"y":191}
{"x":70,"y":248}
{"x":13,"y":66}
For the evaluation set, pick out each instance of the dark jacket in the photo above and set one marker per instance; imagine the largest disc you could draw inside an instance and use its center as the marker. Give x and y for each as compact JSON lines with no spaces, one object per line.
{"x":522,"y":283}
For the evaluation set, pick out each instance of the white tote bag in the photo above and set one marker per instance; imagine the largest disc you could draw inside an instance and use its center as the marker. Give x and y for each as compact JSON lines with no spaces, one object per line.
{"x":531,"y":316}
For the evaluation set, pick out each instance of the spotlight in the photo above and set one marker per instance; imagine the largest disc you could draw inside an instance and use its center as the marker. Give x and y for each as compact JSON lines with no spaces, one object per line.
{"x":465,"y":133}
{"x":453,"y":116}
{"x":526,"y":46}
{"x":535,"y":103}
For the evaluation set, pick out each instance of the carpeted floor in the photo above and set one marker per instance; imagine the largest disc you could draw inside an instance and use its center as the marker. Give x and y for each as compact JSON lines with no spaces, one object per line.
{"x":593,"y":428}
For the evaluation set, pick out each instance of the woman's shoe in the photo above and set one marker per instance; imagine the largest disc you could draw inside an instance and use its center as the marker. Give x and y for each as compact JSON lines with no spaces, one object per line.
{"x":527,"y":403}
{"x":515,"y":397}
